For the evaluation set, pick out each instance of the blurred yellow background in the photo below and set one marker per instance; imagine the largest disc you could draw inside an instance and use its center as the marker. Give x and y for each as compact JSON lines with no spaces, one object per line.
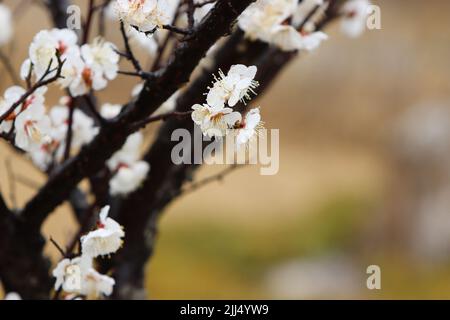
{"x":356,"y":185}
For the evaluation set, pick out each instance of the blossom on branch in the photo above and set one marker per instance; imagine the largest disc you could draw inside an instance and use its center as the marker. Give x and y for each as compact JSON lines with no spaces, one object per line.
{"x":215,"y":122}
{"x":249,"y":127}
{"x":110,"y":111}
{"x":45,"y":45}
{"x":85,"y":68}
{"x":128,"y":178}
{"x":32,"y":127}
{"x":101,"y":55}
{"x":269,"y":21}
{"x":31,"y":124}
{"x":77,"y":276}
{"x":128,"y":171}
{"x":233,"y":87}
{"x":145,"y":15}
{"x":83,"y":126}
{"x":216,"y":118}
{"x":106,"y":239}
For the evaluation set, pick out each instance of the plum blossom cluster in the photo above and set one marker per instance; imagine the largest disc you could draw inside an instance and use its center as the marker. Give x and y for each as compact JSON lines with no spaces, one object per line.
{"x":143,"y":15}
{"x":83,"y":130}
{"x":78,"y":276}
{"x":43,"y":135}
{"x":55,"y":54}
{"x":281,"y":23}
{"x":216,"y":118}
{"x":125,"y":165}
{"x":28,"y":120}
{"x":85,"y":68}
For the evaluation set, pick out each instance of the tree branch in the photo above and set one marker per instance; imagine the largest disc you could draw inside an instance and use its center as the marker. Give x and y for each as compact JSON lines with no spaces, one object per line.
{"x":40,"y":83}
{"x":165,"y":180}
{"x":157,"y":90}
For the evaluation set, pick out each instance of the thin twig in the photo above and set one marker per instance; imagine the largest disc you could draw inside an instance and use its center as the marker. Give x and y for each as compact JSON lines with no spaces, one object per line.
{"x":40,"y":83}
{"x":141,"y":74}
{"x":58,"y":247}
{"x":129,"y":53}
{"x":217,"y":177}
{"x":172,"y":28}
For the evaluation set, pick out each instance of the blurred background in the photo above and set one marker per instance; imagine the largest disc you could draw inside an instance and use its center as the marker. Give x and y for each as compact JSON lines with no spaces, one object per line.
{"x":364,"y":175}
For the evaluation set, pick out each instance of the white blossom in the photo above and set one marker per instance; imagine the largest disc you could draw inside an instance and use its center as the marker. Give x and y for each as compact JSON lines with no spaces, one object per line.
{"x":89,"y":78}
{"x":85,"y":68}
{"x":145,"y":15}
{"x":83,"y":132}
{"x":101,"y":55}
{"x":111,"y":12}
{"x":129,"y":153}
{"x":25,"y":69}
{"x":233,"y":87}
{"x":200,"y":113}
{"x":6,"y":30}
{"x":76,"y":276}
{"x":110,"y":111}
{"x":106,"y":239}
{"x":202,"y":11}
{"x":288,"y":39}
{"x":214,"y":122}
{"x":42,"y":155}
{"x":355,"y":13}
{"x":142,"y":40}
{"x":304,"y":9}
{"x":46,"y":44}
{"x":95,"y":284}
{"x":31,"y":123}
{"x":11,"y":96}
{"x":83,"y":126}
{"x":265,"y":20}
{"x":67,"y":269}
{"x":128,"y":178}
{"x":32,"y":127}
{"x":249,"y":127}
{"x":261,"y":16}
{"x":75,"y":74}
{"x":136,"y":91}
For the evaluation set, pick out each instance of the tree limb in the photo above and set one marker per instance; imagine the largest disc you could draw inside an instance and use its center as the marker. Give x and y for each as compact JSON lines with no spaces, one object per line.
{"x":165,"y":180}
{"x":157,"y":90}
